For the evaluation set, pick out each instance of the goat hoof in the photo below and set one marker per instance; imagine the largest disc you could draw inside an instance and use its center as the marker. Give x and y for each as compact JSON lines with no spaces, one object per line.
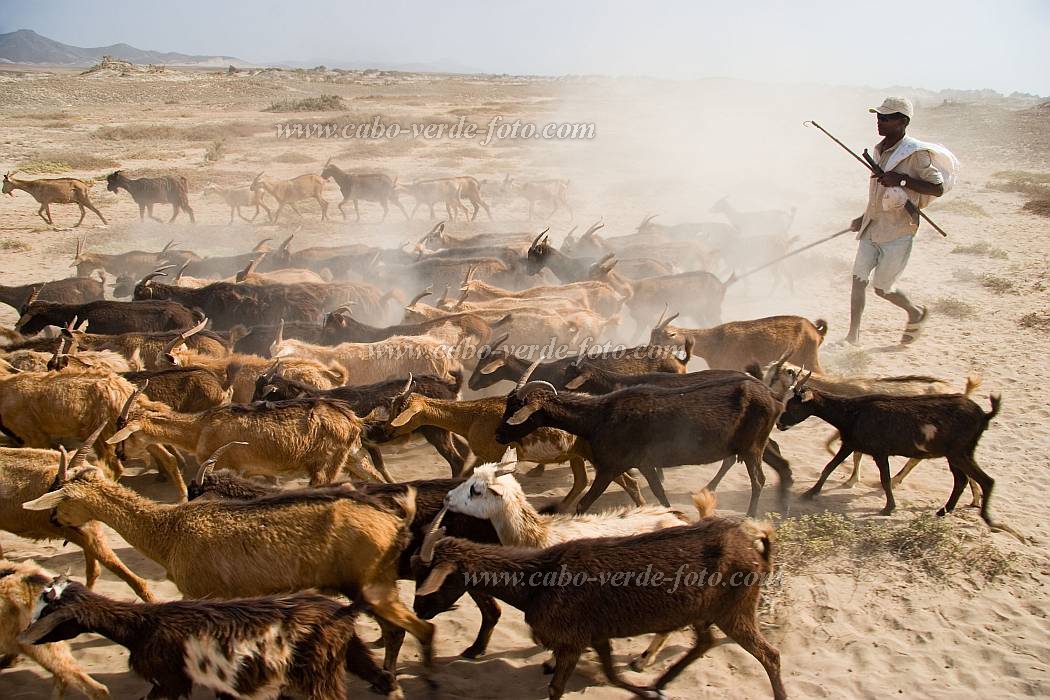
{"x":810,"y":495}
{"x":886,"y":511}
{"x":941,"y":512}
{"x":653,"y":694}
{"x":472,"y":652}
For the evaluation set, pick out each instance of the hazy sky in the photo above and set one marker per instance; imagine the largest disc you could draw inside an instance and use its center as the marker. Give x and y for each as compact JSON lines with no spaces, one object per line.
{"x":933,"y":44}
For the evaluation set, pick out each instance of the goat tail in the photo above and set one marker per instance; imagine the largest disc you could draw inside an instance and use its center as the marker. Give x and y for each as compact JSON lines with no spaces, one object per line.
{"x":760,"y":533}
{"x":972,"y":382}
{"x":704,"y":502}
{"x":997,"y":402}
{"x":822,"y":327}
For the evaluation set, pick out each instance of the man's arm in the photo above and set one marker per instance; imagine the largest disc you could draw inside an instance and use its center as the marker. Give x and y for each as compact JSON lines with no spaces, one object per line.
{"x":895,"y":179}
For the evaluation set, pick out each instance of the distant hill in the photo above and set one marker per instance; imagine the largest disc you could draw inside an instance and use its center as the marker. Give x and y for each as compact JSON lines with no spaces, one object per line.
{"x":26,"y":46}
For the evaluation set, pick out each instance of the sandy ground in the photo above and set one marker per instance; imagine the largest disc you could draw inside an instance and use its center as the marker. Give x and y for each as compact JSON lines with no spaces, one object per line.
{"x":846,"y":628}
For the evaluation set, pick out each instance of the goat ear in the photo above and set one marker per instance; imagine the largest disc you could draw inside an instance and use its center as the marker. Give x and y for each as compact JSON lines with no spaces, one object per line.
{"x":124,"y":433}
{"x":492,"y":366}
{"x":522,"y":414}
{"x":807,"y":395}
{"x":404,"y":417}
{"x":576,"y":382}
{"x":41,"y":631}
{"x":47,"y":501}
{"x":437,"y":577}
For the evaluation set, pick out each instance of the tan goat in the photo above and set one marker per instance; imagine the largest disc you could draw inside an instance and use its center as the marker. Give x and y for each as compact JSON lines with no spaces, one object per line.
{"x":62,"y":190}
{"x":288,"y":192}
{"x":20,"y":585}
{"x":318,"y":436}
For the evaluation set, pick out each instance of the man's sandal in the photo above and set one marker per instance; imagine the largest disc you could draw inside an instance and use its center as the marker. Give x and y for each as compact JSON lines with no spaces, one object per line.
{"x":913,"y":331}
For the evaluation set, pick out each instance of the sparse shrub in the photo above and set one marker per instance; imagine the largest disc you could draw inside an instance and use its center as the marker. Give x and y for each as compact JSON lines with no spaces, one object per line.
{"x":293,"y":157}
{"x":1035,"y":184}
{"x":323,"y":103}
{"x":954,"y":308}
{"x":13,"y":246}
{"x":999,"y":285}
{"x":1040,"y":207}
{"x":52,"y":162}
{"x":981,"y":248}
{"x":961,"y":206}
{"x":1036,"y":320}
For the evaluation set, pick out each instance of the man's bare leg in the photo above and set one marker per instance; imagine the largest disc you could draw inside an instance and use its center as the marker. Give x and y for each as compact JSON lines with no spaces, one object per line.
{"x":856,"y":309}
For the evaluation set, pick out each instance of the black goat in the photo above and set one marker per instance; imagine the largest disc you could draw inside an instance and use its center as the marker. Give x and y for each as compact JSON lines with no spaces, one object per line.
{"x":71,"y":290}
{"x":881,"y":425}
{"x":301,"y":642}
{"x":228,"y":304}
{"x":365,"y":398}
{"x":650,"y":427}
{"x":563,"y":593}
{"x":147,"y":191}
{"x":107,"y":317}
{"x":371,"y":187}
{"x":499,"y":365}
{"x":341,"y":327}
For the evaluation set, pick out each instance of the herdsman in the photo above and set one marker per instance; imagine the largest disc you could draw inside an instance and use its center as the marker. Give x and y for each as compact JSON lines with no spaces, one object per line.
{"x":915,"y":174}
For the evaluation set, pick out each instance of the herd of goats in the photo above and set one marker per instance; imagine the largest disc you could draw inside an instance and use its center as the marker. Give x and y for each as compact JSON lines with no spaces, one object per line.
{"x":275,"y":364}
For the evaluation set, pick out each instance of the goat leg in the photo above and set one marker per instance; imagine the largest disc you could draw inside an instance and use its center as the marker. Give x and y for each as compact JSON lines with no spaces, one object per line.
{"x":490,"y":614}
{"x":854,"y":476}
{"x":845,"y":450}
{"x":565,"y":664}
{"x":704,"y":641}
{"x":602,"y":479}
{"x":652,"y":476}
{"x":605,"y":654}
{"x":883,"y":462}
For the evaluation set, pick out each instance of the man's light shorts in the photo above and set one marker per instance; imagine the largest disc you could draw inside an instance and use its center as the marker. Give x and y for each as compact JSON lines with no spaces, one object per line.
{"x":888,"y":260}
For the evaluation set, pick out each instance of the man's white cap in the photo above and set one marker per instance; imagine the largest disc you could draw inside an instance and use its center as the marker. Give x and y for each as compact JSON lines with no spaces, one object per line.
{"x":895,"y":104}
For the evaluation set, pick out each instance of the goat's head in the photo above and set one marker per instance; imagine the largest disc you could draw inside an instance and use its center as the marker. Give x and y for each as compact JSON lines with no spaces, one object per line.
{"x":780,"y":376}
{"x":145,"y":289}
{"x":663,"y":333}
{"x":124,"y":286}
{"x":271,"y":385}
{"x":31,"y":318}
{"x":539,"y":252}
{"x":115,"y":180}
{"x":524,"y":411}
{"x":200,"y":482}
{"x":490,"y":360}
{"x":9,"y":184}
{"x":798,"y":404}
{"x":329,"y":171}
{"x":258,"y":183}
{"x":405,"y":408}
{"x":484,"y":493}
{"x":600,"y":270}
{"x":72,"y":486}
{"x":53,"y":619}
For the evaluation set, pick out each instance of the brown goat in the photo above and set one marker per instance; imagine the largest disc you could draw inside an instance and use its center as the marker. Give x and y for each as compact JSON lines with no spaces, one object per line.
{"x":288,"y":192}
{"x":736,"y":344}
{"x":62,"y":190}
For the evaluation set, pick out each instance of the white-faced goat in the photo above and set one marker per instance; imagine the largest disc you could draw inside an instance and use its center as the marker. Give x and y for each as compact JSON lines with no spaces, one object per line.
{"x":250,"y":647}
{"x":568,"y":619}
{"x":20,"y":587}
{"x":938,"y":425}
{"x":492,"y":493}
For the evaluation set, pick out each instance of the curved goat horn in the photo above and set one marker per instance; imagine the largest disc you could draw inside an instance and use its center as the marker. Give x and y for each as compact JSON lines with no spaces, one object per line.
{"x":63,"y":465}
{"x":425,"y":293}
{"x":210,"y":463}
{"x":434,"y":533}
{"x":158,"y":272}
{"x":126,"y":408}
{"x":660,"y":321}
{"x":528,"y":373}
{"x":178,"y":275}
{"x":536,"y":241}
{"x":184,"y":335}
{"x":523,"y":392}
{"x":80,"y":456}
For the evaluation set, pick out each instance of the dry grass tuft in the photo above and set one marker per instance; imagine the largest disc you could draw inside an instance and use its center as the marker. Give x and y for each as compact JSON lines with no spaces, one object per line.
{"x":323,"y":103}
{"x":1036,"y":321}
{"x":999,"y":285}
{"x":1036,"y":184}
{"x":293,"y":157}
{"x":1040,"y":207}
{"x":165,"y":132}
{"x":54,"y":162}
{"x":963,"y":207}
{"x":954,"y":308}
{"x":981,"y":248}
